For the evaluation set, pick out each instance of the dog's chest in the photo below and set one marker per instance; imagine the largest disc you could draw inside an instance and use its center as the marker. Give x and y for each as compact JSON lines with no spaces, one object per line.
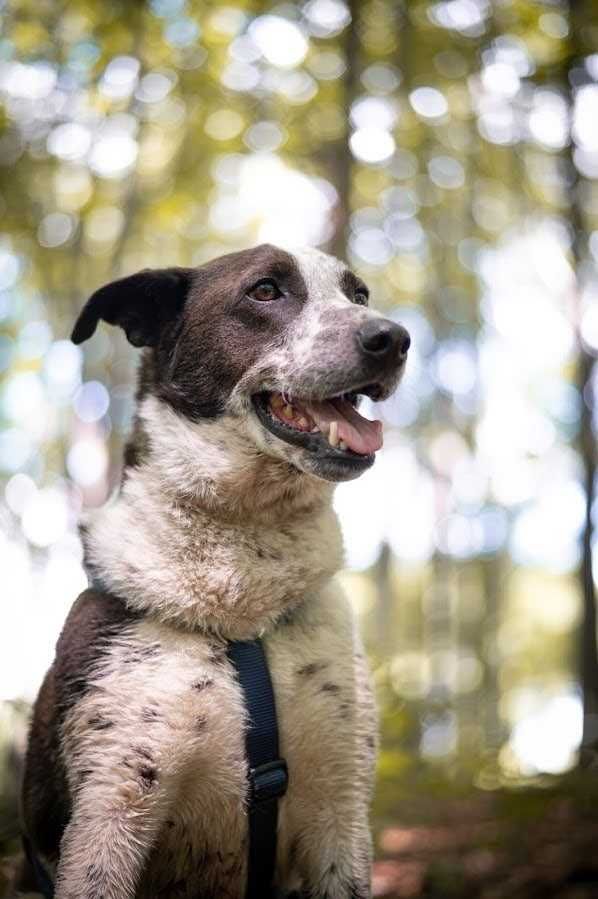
{"x":184,"y":695}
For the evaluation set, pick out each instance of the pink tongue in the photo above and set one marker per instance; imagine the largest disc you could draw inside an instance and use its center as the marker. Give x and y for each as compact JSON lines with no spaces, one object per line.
{"x":360,"y":434}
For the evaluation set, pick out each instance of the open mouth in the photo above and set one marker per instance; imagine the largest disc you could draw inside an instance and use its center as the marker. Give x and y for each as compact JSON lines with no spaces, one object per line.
{"x":332,"y":428}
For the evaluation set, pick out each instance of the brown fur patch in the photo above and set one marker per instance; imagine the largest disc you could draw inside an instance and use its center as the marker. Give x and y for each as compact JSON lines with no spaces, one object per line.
{"x":93,"y":622}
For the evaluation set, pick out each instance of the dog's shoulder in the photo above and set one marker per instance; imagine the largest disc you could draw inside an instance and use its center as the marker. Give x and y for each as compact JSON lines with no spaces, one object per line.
{"x":119,"y":674}
{"x":94,"y":622}
{"x":93,"y":619}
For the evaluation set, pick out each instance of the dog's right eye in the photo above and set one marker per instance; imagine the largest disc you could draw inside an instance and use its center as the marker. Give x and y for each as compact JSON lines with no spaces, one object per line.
{"x":265,"y":291}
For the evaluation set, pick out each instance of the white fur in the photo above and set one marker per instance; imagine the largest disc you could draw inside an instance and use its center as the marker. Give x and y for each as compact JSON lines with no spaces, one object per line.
{"x":209,"y":533}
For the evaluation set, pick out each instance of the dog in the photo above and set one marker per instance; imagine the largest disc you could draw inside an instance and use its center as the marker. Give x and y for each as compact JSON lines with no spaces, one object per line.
{"x":136,"y":776}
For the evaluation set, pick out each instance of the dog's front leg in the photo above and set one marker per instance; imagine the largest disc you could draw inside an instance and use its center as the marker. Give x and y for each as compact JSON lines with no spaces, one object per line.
{"x":333,"y":847}
{"x":108,"y":839}
{"x":339,"y":859}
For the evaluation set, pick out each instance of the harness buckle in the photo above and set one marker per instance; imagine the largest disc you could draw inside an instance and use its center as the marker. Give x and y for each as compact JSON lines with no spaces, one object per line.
{"x":268,"y":781}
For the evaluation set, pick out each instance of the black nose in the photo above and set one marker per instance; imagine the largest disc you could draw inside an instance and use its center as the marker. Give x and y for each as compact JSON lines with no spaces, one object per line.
{"x":380,"y":338}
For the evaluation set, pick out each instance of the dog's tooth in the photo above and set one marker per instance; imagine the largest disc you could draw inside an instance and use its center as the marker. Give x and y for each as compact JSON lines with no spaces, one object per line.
{"x":342,"y":445}
{"x":302,"y":422}
{"x":333,"y":433}
{"x":315,"y":430}
{"x":288,"y":411}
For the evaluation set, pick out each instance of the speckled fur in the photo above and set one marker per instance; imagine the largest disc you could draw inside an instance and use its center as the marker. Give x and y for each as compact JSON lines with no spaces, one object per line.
{"x":220,"y":531}
{"x":155,"y":759}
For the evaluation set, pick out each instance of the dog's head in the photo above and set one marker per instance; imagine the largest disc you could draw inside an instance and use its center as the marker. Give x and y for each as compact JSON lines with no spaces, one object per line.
{"x":282,"y":343}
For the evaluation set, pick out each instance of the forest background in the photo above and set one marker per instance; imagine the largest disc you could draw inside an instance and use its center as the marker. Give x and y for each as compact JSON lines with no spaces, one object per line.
{"x":449,"y":151}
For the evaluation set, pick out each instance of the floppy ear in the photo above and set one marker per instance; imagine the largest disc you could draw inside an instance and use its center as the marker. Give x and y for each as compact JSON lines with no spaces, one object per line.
{"x":141,"y":304}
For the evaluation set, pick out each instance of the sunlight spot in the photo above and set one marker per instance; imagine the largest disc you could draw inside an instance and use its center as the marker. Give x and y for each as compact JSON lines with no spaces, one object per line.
{"x":428,"y":102}
{"x":280,"y":41}
{"x":446,"y":172}
{"x":18,"y":492}
{"x":69,"y":141}
{"x":120,"y":77}
{"x":91,"y":401}
{"x":326,"y":18}
{"x":56,"y":229}
{"x":500,"y":78}
{"x":374,"y":112}
{"x":290,"y":207}
{"x":547,"y":738}
{"x":34,"y":81}
{"x":45,"y":516}
{"x":113,"y":156}
{"x":372,"y":145}
{"x":87,"y":461}
{"x":224,"y":124}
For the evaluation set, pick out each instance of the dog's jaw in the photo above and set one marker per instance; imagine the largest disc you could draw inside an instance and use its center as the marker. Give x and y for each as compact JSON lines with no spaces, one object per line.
{"x":210,"y":533}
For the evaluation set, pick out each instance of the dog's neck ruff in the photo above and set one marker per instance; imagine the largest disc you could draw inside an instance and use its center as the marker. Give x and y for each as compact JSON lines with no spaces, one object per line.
{"x":208,"y":534}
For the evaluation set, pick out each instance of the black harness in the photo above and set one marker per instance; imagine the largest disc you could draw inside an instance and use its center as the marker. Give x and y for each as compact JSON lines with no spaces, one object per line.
{"x":268,"y":777}
{"x":267,"y":773}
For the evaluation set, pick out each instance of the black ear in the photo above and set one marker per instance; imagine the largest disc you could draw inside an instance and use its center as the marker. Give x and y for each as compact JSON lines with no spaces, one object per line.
{"x":141,"y":304}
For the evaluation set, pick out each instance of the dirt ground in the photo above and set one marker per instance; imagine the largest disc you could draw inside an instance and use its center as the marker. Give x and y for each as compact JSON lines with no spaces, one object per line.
{"x":524,"y":844}
{"x":534,"y":843}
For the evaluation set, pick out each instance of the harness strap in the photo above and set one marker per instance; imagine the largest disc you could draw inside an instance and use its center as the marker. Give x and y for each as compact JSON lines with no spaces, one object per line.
{"x":268,"y":777}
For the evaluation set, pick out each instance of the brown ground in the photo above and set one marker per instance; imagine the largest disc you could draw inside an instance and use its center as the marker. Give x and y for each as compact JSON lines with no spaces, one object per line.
{"x":527,"y":844}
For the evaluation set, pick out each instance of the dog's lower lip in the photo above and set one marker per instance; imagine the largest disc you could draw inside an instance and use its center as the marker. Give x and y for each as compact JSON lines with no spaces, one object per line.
{"x":308,"y":437}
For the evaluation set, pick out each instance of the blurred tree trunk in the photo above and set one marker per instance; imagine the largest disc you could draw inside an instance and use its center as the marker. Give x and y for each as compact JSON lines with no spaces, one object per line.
{"x":493,"y":570}
{"x":341,"y":162}
{"x":588,"y":648}
{"x":589,"y":652}
{"x":386,"y":641}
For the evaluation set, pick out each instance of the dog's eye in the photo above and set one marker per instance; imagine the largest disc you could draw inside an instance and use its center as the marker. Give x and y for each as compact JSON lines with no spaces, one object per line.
{"x":264,"y":291}
{"x":361,"y":296}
